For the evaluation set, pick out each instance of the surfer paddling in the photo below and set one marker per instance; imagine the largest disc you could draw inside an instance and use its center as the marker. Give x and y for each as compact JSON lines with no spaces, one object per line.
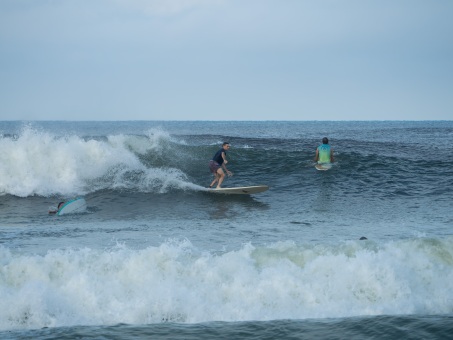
{"x":217,"y":163}
{"x":54,"y":210}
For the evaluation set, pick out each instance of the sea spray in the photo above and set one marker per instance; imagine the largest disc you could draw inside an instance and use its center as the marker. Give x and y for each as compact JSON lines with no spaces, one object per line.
{"x":178,"y":282}
{"x":40,"y":163}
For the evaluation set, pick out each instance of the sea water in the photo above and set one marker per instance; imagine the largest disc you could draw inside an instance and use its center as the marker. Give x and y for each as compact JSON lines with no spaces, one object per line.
{"x":155,"y":255}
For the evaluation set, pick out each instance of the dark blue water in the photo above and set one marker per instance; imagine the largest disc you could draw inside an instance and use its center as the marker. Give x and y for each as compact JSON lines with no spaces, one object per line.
{"x":155,"y":255}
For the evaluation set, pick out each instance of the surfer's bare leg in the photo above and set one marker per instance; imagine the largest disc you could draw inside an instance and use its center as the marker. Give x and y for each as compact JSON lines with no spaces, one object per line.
{"x":216,"y":178}
{"x":220,"y":175}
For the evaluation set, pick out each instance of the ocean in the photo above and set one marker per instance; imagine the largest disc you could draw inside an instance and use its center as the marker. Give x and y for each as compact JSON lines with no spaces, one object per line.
{"x":363,"y":250}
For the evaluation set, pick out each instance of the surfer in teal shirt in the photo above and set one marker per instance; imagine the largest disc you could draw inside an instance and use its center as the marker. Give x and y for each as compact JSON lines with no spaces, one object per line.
{"x":324,"y":153}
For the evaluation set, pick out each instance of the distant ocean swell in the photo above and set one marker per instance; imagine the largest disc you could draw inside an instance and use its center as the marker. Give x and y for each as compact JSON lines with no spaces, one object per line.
{"x":176,"y":282}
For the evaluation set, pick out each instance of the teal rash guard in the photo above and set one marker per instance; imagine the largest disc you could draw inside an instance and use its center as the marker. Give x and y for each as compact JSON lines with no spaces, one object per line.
{"x":324,"y":153}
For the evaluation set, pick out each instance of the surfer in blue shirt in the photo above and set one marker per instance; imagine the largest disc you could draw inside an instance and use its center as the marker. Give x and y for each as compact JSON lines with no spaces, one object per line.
{"x":324,"y":153}
{"x":217,"y":163}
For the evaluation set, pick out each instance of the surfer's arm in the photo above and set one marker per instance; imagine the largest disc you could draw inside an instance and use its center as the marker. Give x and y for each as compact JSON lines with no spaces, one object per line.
{"x":224,"y":158}
{"x":229,"y":173}
{"x":317,"y":155}
{"x":331,"y":156}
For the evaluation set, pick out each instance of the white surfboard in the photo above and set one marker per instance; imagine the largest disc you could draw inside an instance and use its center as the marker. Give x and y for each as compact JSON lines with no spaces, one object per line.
{"x":255,"y":189}
{"x":323,"y":167}
{"x":77,"y":205}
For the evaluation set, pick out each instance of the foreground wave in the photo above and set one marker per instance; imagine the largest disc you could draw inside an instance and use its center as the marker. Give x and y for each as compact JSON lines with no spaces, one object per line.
{"x":176,"y":282}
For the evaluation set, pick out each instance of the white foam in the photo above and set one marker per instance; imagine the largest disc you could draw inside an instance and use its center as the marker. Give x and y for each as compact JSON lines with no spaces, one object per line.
{"x":39,"y":163}
{"x":177,"y":282}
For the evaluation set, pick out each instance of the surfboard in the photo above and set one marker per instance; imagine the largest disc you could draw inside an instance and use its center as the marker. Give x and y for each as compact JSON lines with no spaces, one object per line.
{"x":323,"y":167}
{"x":255,"y":189}
{"x":74,"y":206}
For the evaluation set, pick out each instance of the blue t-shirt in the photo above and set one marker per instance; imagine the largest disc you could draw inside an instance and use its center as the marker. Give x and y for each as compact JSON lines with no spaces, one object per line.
{"x":218,"y":156}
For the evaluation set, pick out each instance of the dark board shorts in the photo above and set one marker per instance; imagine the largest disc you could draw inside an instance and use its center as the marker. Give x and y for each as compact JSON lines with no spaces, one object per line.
{"x":214,"y":166}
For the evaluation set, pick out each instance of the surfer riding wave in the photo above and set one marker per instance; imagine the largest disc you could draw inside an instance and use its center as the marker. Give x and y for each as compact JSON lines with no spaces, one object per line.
{"x":217,"y":163}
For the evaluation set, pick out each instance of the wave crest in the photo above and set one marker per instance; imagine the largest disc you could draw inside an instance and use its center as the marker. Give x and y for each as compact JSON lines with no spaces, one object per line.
{"x":39,"y":163}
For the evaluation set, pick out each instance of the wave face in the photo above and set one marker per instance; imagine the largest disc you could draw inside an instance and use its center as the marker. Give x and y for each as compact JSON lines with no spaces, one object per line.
{"x":176,"y":282}
{"x":387,"y":160}
{"x":41,"y":163}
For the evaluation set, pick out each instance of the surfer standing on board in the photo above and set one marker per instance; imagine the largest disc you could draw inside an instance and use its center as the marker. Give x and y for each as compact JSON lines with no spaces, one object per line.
{"x":324,"y":153}
{"x":217,"y":163}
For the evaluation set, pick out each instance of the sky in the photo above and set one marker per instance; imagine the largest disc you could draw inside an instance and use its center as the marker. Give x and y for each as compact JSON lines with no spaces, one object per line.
{"x":226,"y":60}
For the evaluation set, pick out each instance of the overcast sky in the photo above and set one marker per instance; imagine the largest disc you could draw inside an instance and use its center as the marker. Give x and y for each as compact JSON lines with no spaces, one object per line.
{"x":226,"y":60}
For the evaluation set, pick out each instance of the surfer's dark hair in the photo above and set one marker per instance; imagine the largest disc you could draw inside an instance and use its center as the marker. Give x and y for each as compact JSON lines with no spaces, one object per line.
{"x":325,"y":140}
{"x":225,"y":143}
